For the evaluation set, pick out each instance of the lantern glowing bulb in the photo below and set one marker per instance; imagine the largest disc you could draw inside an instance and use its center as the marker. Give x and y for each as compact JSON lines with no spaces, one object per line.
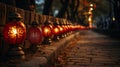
{"x":89,"y":19}
{"x":46,"y":30}
{"x":91,"y":5}
{"x":14,"y":32}
{"x":91,"y":9}
{"x":56,"y":30}
{"x":113,"y":18}
{"x":61,"y":29}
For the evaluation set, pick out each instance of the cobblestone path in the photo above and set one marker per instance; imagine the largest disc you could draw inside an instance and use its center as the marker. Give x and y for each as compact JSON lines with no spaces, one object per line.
{"x":90,"y":49}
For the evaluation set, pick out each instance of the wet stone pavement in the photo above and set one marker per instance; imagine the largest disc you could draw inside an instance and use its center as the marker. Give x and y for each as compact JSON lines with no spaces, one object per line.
{"x":90,"y":49}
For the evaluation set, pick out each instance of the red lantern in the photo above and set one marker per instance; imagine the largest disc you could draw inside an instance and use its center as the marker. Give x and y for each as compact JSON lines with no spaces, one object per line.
{"x":35,"y":35}
{"x":61,"y":29}
{"x":47,"y":31}
{"x":56,"y":30}
{"x":14,"y":32}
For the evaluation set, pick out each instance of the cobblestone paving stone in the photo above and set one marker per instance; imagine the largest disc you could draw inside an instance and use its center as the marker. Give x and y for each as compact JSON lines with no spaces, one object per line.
{"x":90,"y":49}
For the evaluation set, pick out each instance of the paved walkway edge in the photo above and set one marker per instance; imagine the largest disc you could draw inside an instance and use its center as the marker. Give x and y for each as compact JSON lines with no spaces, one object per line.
{"x":47,"y":59}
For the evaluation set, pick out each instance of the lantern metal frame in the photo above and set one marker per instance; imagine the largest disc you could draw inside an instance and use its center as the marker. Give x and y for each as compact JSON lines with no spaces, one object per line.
{"x":47,"y":39}
{"x":15,"y":52}
{"x":35,"y":46}
{"x":56,"y":35}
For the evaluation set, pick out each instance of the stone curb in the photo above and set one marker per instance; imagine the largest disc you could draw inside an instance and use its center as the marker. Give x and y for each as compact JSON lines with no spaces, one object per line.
{"x":49,"y":55}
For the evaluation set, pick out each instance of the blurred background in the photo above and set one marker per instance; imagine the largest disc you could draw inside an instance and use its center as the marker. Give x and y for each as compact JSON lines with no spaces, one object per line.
{"x":104,"y":13}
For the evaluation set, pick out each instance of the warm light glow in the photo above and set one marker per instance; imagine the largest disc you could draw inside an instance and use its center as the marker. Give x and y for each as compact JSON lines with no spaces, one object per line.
{"x":15,"y":32}
{"x":61,"y":29}
{"x":46,"y":30}
{"x":113,"y":18}
{"x":12,"y":32}
{"x":89,"y":12}
{"x":90,"y":22}
{"x":91,"y":9}
{"x":89,"y":19}
{"x":91,"y":5}
{"x":82,"y":27}
{"x":56,"y":30}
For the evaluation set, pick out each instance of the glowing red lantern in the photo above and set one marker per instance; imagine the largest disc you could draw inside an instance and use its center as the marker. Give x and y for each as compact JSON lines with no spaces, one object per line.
{"x":47,"y":31}
{"x":56,"y":30}
{"x":61,"y":29}
{"x":61,"y":26}
{"x":14,"y":32}
{"x":35,"y":34}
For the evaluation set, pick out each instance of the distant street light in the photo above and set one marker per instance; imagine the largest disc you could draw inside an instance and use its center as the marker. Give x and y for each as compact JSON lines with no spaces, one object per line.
{"x":91,"y":5}
{"x":113,"y":18}
{"x":90,"y":15}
